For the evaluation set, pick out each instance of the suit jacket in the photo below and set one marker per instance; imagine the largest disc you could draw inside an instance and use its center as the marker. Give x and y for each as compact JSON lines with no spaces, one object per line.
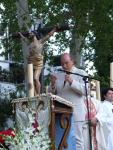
{"x":74,"y":92}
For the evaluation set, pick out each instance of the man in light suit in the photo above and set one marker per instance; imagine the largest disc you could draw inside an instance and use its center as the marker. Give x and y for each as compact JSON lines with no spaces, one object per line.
{"x":72,"y":88}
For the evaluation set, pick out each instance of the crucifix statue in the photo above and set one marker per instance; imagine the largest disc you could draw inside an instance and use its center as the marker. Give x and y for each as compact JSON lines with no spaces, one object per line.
{"x":35,"y":39}
{"x":34,"y":54}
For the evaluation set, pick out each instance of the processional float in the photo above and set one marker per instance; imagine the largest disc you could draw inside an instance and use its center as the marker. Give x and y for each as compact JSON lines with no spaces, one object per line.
{"x":47,"y":108}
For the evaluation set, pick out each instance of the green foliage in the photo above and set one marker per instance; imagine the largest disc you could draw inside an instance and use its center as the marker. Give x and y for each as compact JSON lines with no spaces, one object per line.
{"x":95,"y":17}
{"x":101,"y":20}
{"x":5,"y":111}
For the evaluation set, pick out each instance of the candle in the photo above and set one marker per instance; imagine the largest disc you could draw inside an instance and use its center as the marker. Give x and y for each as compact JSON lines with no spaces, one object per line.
{"x":98,"y":90}
{"x":111,"y":75}
{"x":30,"y":80}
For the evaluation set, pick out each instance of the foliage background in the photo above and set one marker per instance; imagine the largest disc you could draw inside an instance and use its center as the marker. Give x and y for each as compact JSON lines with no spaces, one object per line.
{"x":91,"y":35}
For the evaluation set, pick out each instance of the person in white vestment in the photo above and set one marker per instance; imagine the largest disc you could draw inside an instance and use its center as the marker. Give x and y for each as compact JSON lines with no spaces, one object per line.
{"x":72,"y":88}
{"x":104,"y":121}
{"x":91,"y":111}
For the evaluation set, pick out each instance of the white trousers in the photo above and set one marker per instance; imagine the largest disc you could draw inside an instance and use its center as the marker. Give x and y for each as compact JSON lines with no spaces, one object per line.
{"x":81,"y":129}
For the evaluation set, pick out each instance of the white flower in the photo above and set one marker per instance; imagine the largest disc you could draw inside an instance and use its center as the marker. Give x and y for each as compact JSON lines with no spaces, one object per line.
{"x":27,"y":140}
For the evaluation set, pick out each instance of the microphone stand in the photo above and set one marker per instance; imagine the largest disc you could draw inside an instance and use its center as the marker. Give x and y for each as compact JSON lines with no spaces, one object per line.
{"x":86,"y":94}
{"x":87,"y":105}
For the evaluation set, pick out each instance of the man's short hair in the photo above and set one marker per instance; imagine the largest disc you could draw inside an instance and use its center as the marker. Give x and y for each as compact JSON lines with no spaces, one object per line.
{"x":70,"y":55}
{"x":104,"y":92}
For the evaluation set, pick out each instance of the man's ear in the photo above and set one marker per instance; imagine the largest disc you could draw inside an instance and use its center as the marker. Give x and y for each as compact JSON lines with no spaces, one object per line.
{"x":73,"y":61}
{"x":104,"y":96}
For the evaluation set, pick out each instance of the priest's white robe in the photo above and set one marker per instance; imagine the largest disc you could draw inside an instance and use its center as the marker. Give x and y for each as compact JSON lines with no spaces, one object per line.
{"x":104,"y":130}
{"x":93,"y":106}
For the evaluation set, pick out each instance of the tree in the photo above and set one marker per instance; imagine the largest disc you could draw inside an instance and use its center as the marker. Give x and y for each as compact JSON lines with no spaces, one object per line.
{"x":91,"y":20}
{"x":101,"y":19}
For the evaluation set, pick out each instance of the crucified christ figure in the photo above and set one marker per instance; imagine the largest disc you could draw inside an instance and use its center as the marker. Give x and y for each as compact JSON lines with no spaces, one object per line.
{"x":34,"y":56}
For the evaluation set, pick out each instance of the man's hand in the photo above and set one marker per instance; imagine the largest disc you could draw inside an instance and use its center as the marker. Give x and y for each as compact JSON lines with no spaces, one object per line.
{"x":94,"y":121}
{"x":68,"y":79}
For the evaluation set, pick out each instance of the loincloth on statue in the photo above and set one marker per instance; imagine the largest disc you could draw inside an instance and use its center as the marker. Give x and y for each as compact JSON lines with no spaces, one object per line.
{"x":36,"y":59}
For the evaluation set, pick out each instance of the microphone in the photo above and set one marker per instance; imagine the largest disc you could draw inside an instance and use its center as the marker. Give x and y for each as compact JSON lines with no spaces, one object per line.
{"x":64,"y":83}
{"x":67,"y":72}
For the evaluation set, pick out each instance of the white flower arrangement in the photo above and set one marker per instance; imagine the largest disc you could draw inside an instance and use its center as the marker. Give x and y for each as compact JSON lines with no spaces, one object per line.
{"x":31,"y":138}
{"x":26,"y":140}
